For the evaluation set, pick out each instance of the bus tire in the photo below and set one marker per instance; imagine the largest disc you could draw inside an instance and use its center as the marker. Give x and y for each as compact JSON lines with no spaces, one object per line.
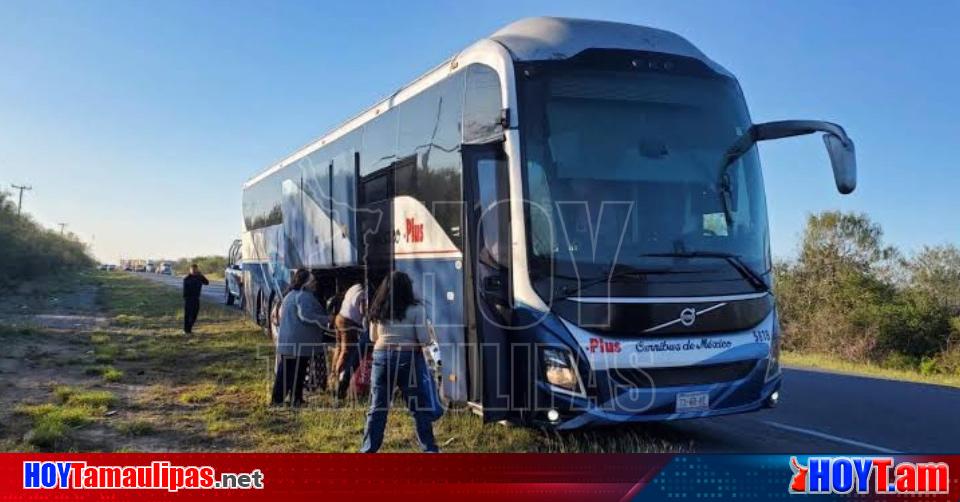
{"x":273,"y":314}
{"x":259,"y":309}
{"x":266,"y":309}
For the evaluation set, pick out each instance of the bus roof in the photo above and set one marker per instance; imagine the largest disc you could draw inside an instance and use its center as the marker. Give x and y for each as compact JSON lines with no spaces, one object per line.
{"x":529,"y":39}
{"x":544,"y":38}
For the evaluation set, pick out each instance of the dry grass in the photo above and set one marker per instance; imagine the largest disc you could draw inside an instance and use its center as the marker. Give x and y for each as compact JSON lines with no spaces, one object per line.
{"x":210,"y":392}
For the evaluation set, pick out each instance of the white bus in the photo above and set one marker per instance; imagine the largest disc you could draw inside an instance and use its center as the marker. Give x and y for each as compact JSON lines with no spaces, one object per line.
{"x":581,"y":207}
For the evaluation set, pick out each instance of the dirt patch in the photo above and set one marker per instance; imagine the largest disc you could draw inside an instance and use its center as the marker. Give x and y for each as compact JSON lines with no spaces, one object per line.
{"x":46,"y":334}
{"x":58,"y":322}
{"x":56,"y":339}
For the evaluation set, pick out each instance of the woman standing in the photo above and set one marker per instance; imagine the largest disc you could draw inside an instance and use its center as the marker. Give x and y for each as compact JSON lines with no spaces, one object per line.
{"x":302,"y":323}
{"x":399,"y":333}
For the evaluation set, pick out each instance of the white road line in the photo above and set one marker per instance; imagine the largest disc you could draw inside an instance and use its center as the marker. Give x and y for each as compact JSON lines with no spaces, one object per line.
{"x":830,"y":437}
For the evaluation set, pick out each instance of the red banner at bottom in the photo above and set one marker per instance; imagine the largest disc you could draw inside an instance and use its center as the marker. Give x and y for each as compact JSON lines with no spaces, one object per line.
{"x":489,"y":477}
{"x":291,"y":477}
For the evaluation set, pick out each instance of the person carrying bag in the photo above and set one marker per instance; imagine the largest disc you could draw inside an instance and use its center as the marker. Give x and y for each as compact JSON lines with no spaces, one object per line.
{"x":431,"y":374}
{"x":399,"y":333}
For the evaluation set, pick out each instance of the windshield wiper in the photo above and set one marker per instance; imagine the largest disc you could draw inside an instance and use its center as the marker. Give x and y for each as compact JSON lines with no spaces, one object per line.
{"x":734,"y":260}
{"x":610,"y":275}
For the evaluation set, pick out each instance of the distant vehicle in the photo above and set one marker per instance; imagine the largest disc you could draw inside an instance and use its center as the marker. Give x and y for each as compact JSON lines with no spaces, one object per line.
{"x":233,"y":274}
{"x":111,"y":267}
{"x":150,"y":267}
{"x":165,"y":269}
{"x":128,"y":268}
{"x":103,"y":266}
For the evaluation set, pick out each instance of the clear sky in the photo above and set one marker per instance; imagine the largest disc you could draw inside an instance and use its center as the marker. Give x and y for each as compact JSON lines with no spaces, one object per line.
{"x":137,"y":121}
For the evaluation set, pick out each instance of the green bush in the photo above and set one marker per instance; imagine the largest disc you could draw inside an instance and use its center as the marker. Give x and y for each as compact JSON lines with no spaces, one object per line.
{"x":29,"y":251}
{"x":849,"y":295}
{"x":209,"y":265}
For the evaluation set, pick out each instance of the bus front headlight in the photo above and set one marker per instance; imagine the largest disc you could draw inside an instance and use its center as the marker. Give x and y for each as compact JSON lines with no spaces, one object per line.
{"x":773,"y":365}
{"x":559,"y":369}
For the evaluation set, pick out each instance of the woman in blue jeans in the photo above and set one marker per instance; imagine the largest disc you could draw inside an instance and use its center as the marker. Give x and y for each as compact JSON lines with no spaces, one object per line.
{"x":399,"y":333}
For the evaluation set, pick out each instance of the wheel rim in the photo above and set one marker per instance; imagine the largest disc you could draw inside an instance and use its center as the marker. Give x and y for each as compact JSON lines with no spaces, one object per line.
{"x":274,"y":316}
{"x":260,"y":309}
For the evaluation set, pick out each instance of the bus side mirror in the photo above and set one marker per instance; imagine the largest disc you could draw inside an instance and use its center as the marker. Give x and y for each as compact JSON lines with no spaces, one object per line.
{"x":843,"y":159}
{"x":839,"y":146}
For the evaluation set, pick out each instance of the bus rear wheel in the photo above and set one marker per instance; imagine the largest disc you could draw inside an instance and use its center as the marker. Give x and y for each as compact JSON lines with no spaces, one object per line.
{"x":266,"y":317}
{"x":260,"y":310}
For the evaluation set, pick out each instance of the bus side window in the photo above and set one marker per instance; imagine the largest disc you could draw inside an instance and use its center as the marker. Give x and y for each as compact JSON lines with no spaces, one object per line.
{"x":492,"y":250}
{"x":482,"y":105}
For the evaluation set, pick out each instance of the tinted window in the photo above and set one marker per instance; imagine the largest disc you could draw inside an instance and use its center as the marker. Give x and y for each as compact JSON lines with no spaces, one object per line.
{"x":375,"y":189}
{"x":405,"y":176}
{"x":429,"y":142}
{"x":482,"y":105}
{"x":379,"y":143}
{"x":604,"y":150}
{"x":492,"y":248}
{"x":261,"y":203}
{"x":315,"y":169}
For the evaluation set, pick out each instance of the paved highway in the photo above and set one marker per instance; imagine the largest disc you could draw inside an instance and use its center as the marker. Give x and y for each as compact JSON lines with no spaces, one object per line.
{"x":819,"y":412}
{"x":215,"y":292}
{"x":823,"y":412}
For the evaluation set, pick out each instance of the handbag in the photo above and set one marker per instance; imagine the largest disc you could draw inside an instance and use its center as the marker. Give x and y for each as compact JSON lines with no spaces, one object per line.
{"x":428,"y":385}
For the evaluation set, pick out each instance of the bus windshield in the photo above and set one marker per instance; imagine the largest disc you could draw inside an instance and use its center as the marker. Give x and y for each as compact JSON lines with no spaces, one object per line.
{"x":621,"y":168}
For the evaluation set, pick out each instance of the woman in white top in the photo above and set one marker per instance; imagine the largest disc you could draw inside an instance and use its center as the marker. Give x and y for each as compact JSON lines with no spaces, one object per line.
{"x":399,"y":333}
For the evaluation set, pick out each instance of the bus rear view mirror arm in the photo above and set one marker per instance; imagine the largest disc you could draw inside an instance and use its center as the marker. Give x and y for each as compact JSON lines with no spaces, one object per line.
{"x":839,"y":146}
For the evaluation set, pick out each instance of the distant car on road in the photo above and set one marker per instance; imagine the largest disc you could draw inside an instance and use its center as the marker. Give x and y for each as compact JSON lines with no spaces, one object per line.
{"x":151,"y":267}
{"x":165,"y":269}
{"x":233,"y":275}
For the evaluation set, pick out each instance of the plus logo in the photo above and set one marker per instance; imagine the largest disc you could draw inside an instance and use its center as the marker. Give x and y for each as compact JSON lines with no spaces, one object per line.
{"x":603,"y":346}
{"x":413,"y":232}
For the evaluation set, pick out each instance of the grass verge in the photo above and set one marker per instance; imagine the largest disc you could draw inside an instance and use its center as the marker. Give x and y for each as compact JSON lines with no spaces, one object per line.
{"x":210,"y":391}
{"x":139,"y":384}
{"x":53,"y":423}
{"x":831,"y":363}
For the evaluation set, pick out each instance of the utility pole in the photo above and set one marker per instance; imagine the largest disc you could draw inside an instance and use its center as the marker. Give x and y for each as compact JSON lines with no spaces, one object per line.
{"x":22,"y":188}
{"x":62,"y":225}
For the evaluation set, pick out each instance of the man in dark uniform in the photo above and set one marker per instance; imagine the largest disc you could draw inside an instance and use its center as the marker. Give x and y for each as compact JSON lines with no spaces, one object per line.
{"x":192,"y":284}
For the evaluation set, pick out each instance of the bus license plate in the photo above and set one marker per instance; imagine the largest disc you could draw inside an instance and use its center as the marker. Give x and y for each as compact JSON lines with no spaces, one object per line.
{"x":693,"y":401}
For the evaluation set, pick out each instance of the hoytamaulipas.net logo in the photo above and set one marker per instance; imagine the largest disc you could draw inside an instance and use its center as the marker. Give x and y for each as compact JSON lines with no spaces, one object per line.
{"x":862,"y":475}
{"x":159,"y":475}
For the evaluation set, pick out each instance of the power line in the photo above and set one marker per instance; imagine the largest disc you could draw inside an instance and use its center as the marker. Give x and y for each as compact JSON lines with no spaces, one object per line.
{"x":22,"y":189}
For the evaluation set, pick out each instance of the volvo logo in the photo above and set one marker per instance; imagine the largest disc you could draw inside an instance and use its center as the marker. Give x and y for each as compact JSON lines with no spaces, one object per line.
{"x":687,"y":318}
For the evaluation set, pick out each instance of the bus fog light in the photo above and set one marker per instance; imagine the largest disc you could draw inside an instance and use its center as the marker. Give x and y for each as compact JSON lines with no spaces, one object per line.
{"x":773,"y":400}
{"x":553,"y":415}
